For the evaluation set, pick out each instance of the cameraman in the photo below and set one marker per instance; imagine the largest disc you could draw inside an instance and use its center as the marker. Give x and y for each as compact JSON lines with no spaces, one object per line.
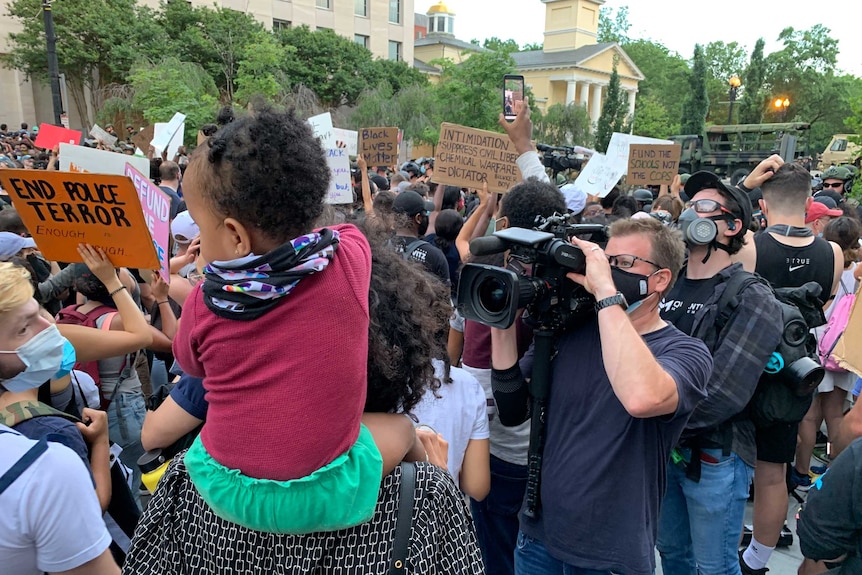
{"x":623,"y":384}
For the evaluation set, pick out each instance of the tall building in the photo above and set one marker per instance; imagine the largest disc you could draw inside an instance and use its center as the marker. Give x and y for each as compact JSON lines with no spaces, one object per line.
{"x":385,"y":27}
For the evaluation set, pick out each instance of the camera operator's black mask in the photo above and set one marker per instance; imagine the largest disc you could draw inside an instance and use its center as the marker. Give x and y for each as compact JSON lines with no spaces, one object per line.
{"x":634,"y":287}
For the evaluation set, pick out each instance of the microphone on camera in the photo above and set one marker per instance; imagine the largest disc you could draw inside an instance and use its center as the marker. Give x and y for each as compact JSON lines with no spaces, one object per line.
{"x":488,"y":245}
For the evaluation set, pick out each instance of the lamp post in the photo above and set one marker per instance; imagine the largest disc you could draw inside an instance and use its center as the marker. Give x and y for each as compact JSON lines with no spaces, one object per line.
{"x":53,"y":67}
{"x":781,"y":107}
{"x":734,"y":82}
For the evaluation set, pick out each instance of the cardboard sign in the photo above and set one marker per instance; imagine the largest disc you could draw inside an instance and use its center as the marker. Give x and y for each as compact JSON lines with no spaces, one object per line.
{"x":164,"y":135}
{"x":141,"y":140}
{"x":100,"y":134}
{"x":848,"y":349}
{"x":340,"y":184}
{"x":175,"y":142}
{"x":51,"y":135}
{"x":379,"y":146}
{"x":156,"y":206}
{"x":347,"y":139}
{"x":62,"y":210}
{"x":90,"y":160}
{"x":321,"y":125}
{"x":466,"y":157}
{"x":652,"y":164}
{"x":599,"y":176}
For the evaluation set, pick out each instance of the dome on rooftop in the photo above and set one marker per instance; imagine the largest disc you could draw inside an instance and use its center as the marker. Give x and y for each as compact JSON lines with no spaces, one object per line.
{"x":439,"y":8}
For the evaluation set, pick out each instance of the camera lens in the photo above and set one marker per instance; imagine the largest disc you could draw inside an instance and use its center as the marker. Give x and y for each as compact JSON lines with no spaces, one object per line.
{"x":493,"y":294}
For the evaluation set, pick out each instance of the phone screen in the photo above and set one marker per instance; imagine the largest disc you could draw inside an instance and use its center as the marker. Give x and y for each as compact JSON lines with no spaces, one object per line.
{"x":513,"y":96}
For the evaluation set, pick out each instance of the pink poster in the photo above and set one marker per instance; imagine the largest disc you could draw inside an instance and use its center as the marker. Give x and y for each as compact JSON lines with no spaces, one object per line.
{"x":157,"y":213}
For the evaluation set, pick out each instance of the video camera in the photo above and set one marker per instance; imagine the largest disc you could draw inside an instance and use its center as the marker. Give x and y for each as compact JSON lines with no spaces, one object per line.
{"x":493,"y":295}
{"x":560,"y":158}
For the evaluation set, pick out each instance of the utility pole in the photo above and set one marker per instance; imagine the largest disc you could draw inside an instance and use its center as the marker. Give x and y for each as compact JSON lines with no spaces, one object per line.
{"x":53,"y":65}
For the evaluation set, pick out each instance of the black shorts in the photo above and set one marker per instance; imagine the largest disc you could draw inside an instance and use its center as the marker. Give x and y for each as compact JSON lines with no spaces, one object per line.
{"x":777,"y":443}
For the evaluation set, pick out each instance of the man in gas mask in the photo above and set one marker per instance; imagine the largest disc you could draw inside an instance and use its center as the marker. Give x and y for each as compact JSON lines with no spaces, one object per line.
{"x":788,"y":255}
{"x":712,"y":467}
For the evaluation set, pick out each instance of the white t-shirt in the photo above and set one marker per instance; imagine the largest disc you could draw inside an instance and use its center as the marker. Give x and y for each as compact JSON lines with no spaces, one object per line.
{"x":459,"y":414}
{"x":50,"y":519}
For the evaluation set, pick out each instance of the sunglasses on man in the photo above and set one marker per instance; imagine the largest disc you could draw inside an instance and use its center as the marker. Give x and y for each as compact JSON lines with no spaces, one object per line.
{"x":836,"y":185}
{"x":707,"y":207}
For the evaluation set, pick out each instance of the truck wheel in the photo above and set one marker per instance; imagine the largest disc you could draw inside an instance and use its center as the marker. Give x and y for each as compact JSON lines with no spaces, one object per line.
{"x":738,"y":176}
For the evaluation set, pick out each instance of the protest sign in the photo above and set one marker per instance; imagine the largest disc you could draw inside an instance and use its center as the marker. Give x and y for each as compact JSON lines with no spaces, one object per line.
{"x":156,"y":206}
{"x":347,"y":139}
{"x":599,"y":175}
{"x":618,"y":149}
{"x":174,"y":143}
{"x":93,"y":161}
{"x":103,"y":136}
{"x":321,"y":125}
{"x":165,"y":134}
{"x":466,"y":157}
{"x":50,"y":135}
{"x":63,"y":209}
{"x":652,"y":164}
{"x":379,"y":146}
{"x":141,"y":140}
{"x":340,"y":184}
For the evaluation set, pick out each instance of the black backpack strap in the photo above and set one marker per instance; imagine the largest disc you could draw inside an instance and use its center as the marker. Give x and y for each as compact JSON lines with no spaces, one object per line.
{"x":729,"y":300}
{"x":22,"y":464}
{"x":404,"y":520}
{"x":411,"y":247}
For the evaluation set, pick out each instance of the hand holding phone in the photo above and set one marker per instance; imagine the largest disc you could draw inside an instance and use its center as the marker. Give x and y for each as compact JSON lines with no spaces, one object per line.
{"x":513,"y":96}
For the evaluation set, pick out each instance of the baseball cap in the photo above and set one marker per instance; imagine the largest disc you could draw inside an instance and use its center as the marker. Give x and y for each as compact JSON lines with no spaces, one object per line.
{"x":184,"y":229}
{"x":836,"y":173}
{"x":709,"y":181}
{"x":411,"y":203}
{"x":11,"y":244}
{"x":836,"y":197}
{"x":576,"y":198}
{"x":381,"y":182}
{"x":818,"y":210}
{"x":826,"y":201}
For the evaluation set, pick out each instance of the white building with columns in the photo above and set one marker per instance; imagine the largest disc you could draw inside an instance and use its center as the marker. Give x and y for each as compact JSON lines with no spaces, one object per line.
{"x":572,"y":67}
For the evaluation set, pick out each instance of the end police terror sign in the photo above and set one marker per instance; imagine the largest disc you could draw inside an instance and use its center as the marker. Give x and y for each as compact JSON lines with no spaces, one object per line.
{"x":467,"y":157}
{"x":64,"y":209}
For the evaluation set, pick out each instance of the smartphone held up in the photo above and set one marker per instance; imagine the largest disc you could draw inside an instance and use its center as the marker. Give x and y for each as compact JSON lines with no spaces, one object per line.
{"x":513,"y":96}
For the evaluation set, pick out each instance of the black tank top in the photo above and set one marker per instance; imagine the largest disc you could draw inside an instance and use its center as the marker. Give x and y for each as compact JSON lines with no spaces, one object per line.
{"x":792,"y":266}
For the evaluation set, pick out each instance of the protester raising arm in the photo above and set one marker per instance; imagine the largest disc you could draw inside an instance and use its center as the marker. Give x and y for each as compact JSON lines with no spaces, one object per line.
{"x":480,"y":214}
{"x":92,"y":344}
{"x":367,"y":203}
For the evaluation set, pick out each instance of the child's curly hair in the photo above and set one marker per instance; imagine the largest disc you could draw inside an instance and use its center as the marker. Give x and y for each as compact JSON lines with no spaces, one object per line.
{"x":266,"y":170}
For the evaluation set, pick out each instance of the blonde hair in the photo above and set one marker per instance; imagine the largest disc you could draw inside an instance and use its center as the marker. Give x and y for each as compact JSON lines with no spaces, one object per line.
{"x":15,"y":286}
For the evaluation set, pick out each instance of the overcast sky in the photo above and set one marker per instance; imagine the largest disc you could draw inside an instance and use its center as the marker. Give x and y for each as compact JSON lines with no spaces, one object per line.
{"x":678,"y":24}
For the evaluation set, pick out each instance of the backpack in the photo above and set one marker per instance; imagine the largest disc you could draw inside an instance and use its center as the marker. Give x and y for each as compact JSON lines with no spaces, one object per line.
{"x":834,"y":330}
{"x":411,"y":247}
{"x":71,"y":316}
{"x":786,"y":387}
{"x":123,"y":514}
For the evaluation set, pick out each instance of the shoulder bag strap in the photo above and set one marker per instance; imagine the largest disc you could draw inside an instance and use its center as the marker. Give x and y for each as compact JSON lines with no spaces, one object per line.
{"x":22,"y":464}
{"x":404,"y":520}
{"x":411,"y":247}
{"x":106,"y":326}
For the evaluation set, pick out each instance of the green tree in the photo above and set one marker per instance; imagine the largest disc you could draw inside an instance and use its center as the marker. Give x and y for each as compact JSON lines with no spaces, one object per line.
{"x":564,"y":125}
{"x":531,"y":46}
{"x":398,"y":74}
{"x":499,"y":45}
{"x":259,"y":73}
{"x":337,"y":69}
{"x":216,"y":38}
{"x":723,"y":61}
{"x":614,"y":112}
{"x":614,"y":26}
{"x":666,"y":75}
{"x":97,"y":44}
{"x":753,"y":99}
{"x":414,"y":109}
{"x":652,"y":119}
{"x":172,"y":86}
{"x":696,"y":105}
{"x":469,"y":92}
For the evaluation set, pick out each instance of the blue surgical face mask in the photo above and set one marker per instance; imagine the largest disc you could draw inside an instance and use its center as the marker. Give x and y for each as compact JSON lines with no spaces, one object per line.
{"x":43,"y":357}
{"x":69,"y":359}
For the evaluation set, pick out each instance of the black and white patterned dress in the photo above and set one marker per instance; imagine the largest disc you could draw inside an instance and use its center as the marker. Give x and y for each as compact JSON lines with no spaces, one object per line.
{"x":180,"y":534}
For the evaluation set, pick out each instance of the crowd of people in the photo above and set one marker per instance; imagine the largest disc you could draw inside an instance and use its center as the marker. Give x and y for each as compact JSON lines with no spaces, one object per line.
{"x":209,"y":422}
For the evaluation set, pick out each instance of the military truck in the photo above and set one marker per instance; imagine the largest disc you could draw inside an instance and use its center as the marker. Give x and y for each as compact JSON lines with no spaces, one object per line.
{"x":732,"y":151}
{"x":840,"y":151}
